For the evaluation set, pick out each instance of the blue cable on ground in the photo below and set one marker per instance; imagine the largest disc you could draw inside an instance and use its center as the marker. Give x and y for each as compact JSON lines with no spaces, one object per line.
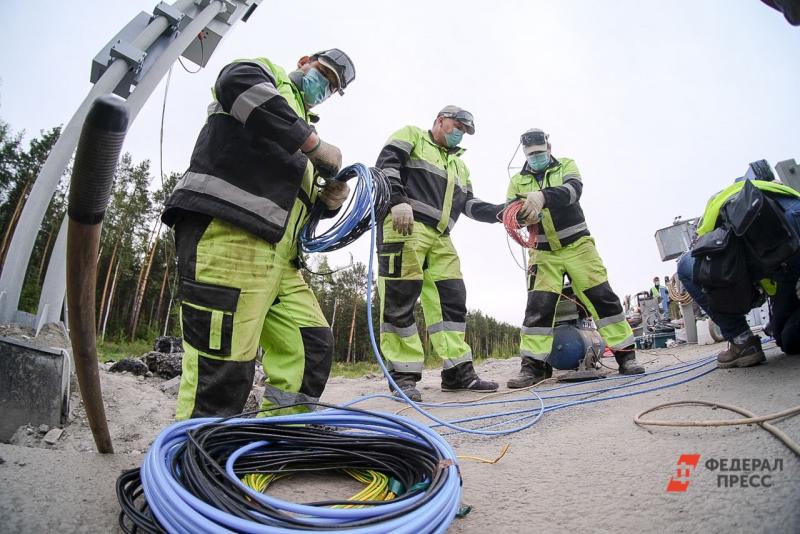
{"x":178,"y":510}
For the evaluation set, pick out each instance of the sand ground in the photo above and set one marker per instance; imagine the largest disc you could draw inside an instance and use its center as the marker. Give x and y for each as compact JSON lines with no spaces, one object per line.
{"x":585,"y":468}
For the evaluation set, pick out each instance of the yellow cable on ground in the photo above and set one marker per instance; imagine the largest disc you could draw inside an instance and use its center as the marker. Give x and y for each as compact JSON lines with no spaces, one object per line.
{"x":750,"y":418}
{"x":484,"y":460}
{"x":377,"y":485}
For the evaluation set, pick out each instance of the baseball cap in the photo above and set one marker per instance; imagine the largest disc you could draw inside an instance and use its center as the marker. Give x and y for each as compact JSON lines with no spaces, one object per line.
{"x":461,"y":115}
{"x":534,"y":140}
{"x":341,"y":65}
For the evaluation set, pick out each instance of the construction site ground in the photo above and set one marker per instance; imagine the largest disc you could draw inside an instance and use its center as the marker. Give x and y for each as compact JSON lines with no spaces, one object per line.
{"x":585,"y":468}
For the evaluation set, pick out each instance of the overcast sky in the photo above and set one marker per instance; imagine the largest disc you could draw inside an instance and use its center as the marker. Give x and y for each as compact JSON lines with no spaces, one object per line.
{"x":661,"y":104}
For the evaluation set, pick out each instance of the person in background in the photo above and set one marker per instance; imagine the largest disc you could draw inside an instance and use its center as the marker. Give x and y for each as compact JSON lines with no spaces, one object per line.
{"x":663,"y":295}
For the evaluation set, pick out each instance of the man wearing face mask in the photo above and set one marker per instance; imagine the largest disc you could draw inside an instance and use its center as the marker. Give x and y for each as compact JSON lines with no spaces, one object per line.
{"x":552,"y":188}
{"x":237,"y":213}
{"x":430,"y":189}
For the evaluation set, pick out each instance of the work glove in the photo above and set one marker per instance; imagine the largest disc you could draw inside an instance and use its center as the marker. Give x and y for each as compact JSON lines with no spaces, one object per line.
{"x":326,"y":158}
{"x":334,"y":194}
{"x":532,"y":207}
{"x":403,"y":218}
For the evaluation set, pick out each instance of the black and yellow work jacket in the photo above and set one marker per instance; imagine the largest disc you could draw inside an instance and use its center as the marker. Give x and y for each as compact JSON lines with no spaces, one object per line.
{"x":562,"y":220}
{"x":433,"y":179}
{"x":247,"y":168}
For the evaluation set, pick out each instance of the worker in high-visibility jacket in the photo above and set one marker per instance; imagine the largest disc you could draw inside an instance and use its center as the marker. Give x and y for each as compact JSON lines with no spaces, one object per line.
{"x":552,"y":189}
{"x":237,"y":213}
{"x":431,"y":188}
{"x":781,"y":284}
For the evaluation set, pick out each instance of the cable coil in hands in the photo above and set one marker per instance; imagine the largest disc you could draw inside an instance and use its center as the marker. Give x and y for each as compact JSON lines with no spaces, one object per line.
{"x":522,"y":235}
{"x":372,"y":190}
{"x":192,"y":475}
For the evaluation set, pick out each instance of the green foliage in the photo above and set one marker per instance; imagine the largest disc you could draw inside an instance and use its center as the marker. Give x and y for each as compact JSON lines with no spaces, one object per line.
{"x":115,"y":350}
{"x":355,"y":370}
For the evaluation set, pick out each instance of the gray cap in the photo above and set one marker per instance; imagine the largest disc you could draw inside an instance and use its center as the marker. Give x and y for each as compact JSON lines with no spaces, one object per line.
{"x":535,"y":140}
{"x":341,"y":65}
{"x":461,"y":115}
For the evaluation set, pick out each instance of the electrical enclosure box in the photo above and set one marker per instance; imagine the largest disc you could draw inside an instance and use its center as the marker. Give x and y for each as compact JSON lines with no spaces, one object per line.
{"x":789,"y":173}
{"x":674,"y":240}
{"x":34,"y":386}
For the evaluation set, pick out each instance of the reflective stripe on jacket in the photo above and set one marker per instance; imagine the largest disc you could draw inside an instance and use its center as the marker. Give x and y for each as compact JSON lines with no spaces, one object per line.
{"x":433,"y":179}
{"x":562,"y":217}
{"x":246,"y":167}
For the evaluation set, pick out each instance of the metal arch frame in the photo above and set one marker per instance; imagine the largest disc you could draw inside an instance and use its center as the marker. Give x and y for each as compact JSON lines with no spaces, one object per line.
{"x":165,"y":43}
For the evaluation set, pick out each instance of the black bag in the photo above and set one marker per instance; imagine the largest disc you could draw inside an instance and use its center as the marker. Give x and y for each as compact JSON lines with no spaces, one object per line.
{"x":769,"y":239}
{"x":720,"y":267}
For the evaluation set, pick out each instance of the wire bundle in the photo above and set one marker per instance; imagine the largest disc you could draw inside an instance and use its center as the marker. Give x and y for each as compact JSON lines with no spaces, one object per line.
{"x":192,"y":475}
{"x":679,"y":295}
{"x":372,"y":191}
{"x":522,"y":235}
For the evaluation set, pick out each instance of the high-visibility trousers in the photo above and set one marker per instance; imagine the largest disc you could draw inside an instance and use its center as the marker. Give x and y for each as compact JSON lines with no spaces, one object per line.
{"x":424,"y":264}
{"x":582,"y":263}
{"x":238,"y":293}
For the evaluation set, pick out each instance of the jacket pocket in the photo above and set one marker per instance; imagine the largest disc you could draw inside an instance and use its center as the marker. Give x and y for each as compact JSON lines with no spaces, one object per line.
{"x":207,"y":316}
{"x":390,"y":260}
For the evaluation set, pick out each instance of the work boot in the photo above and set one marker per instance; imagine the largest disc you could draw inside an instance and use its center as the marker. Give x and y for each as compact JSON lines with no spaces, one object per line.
{"x":407,"y":382}
{"x":531,"y":372}
{"x":744,"y":354}
{"x":463,"y":377}
{"x":626,"y":360}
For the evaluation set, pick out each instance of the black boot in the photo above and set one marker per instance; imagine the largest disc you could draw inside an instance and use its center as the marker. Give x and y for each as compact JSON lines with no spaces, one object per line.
{"x":626,"y":360}
{"x":463,"y":377}
{"x":531,"y":372}
{"x":407,"y":382}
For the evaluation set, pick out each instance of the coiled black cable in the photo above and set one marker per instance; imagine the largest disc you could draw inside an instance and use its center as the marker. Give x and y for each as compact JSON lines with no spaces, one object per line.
{"x":208,"y":459}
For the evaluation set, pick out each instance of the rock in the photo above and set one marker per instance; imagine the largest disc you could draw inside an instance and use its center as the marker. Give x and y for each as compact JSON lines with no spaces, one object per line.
{"x":168,"y":344}
{"x":140,"y":378}
{"x":258,"y":379}
{"x":131,"y":365}
{"x":53,"y":436}
{"x":164,"y":365}
{"x":254,"y":399}
{"x":43,"y":429}
{"x":170,"y":387}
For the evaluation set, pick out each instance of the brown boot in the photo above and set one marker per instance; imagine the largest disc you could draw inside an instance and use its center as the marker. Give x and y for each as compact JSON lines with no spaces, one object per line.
{"x":530,"y":372}
{"x":744,"y":354}
{"x":407,"y":382}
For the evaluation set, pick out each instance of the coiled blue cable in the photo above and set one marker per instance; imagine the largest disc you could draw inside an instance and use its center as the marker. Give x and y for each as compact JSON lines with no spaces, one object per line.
{"x":177,"y":510}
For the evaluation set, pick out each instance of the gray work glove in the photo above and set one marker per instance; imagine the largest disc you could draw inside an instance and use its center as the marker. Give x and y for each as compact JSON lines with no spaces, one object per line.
{"x":403,"y":218}
{"x":334,"y":194}
{"x":532,"y":206}
{"x":326,"y":158}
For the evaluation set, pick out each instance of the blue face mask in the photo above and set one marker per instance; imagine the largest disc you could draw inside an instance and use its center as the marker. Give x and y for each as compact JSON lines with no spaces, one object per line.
{"x":316,"y":87}
{"x":538,"y":161}
{"x":453,"y":138}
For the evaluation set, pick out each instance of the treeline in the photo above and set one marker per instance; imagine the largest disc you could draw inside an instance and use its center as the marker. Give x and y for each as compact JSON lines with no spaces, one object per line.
{"x":136,"y":273}
{"x":137,"y":279}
